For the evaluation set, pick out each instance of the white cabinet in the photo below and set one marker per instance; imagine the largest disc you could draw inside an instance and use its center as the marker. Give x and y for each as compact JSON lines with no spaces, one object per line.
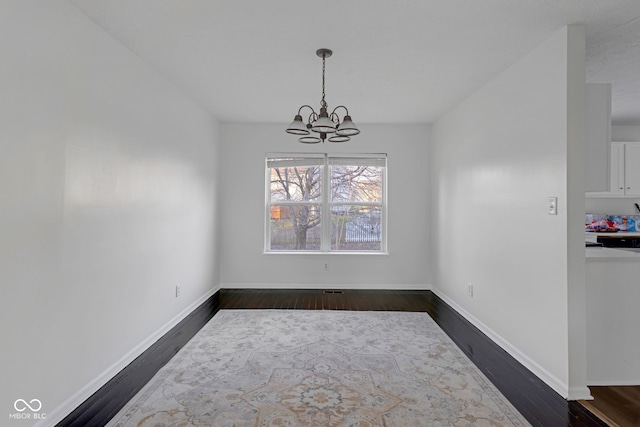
{"x":625,"y":169}
{"x":617,"y":168}
{"x":632,"y":169}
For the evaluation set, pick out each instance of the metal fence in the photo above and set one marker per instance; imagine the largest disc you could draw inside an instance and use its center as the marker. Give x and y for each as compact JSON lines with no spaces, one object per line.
{"x":360,"y":233}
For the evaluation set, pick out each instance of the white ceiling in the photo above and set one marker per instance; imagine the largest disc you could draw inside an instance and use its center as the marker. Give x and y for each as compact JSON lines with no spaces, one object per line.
{"x":401,"y":61}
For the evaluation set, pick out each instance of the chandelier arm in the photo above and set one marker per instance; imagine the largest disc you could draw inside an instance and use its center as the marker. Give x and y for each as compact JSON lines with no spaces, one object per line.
{"x":312,"y":117}
{"x":334,"y":117}
{"x":308,"y":106}
{"x":340,"y":106}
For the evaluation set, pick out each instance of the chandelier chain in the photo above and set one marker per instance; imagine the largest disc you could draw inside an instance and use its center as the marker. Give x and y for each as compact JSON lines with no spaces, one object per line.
{"x":323,"y":103}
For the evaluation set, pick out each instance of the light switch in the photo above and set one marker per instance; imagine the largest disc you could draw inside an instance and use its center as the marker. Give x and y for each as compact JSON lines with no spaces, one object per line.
{"x":553,"y":206}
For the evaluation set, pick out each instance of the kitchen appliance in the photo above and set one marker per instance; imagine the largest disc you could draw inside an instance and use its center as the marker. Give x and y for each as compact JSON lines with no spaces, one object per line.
{"x":619,"y":242}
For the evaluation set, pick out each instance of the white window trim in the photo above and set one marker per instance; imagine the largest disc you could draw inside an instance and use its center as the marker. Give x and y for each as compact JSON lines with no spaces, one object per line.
{"x":325,"y":204}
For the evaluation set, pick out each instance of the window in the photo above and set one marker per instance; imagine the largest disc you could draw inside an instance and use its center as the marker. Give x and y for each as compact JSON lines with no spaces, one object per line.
{"x":325,"y":203}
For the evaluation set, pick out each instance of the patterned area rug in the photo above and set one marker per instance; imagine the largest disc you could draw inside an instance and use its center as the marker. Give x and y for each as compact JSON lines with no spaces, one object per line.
{"x":292,"y":368}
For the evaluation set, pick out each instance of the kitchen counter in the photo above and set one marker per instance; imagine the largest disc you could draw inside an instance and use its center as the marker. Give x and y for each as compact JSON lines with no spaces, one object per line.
{"x":595,"y":234}
{"x":610,"y":254}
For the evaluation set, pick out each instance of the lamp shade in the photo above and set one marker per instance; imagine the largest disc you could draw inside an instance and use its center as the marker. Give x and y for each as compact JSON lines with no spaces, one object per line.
{"x":339,"y":138}
{"x":347,"y":127}
{"x":297,"y":127}
{"x":309,"y":139}
{"x":323,"y":124}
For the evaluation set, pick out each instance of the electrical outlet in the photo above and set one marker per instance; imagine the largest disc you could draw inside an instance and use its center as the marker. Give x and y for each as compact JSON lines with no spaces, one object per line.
{"x":326,"y":266}
{"x":470,"y":289}
{"x":177,"y":291}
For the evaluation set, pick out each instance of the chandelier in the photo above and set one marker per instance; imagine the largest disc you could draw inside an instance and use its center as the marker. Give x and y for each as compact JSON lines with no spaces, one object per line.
{"x":323,"y":123}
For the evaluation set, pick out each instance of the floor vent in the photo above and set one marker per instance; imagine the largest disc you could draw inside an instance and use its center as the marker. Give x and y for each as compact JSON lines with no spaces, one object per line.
{"x":332,"y":291}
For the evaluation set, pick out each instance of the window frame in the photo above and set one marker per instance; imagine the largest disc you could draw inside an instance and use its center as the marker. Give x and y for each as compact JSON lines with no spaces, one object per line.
{"x":326,"y":203}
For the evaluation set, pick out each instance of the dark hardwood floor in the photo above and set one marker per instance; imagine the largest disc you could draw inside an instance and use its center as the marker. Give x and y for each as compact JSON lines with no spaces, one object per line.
{"x":537,"y":402}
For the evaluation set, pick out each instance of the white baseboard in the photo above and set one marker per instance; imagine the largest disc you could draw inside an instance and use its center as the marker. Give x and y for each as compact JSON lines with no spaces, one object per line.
{"x":556,"y":384}
{"x":614,"y":383}
{"x":59,"y":413}
{"x":357,"y":286}
{"x":579,"y":393}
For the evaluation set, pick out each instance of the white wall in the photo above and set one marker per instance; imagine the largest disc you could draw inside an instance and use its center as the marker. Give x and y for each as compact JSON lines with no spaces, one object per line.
{"x":243,"y":263}
{"x":496,"y":158}
{"x":108,"y":186}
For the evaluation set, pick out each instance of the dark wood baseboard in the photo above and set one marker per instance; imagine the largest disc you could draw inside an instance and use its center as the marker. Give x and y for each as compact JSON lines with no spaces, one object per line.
{"x":105,"y":403}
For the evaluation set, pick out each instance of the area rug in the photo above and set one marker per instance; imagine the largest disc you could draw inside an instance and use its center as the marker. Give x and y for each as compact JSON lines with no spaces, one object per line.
{"x":293,"y":368}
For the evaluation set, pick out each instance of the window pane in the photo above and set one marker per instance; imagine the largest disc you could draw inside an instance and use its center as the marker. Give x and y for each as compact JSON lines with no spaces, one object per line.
{"x":356,"y":228}
{"x":296,"y":183}
{"x":295,"y":228}
{"x":356,"y":183}
{"x":353,"y":198}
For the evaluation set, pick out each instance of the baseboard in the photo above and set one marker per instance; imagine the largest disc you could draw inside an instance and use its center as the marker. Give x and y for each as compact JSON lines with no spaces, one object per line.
{"x":614,"y":383}
{"x":58,"y":414}
{"x":556,"y":384}
{"x":356,"y":286}
{"x":579,"y":393}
